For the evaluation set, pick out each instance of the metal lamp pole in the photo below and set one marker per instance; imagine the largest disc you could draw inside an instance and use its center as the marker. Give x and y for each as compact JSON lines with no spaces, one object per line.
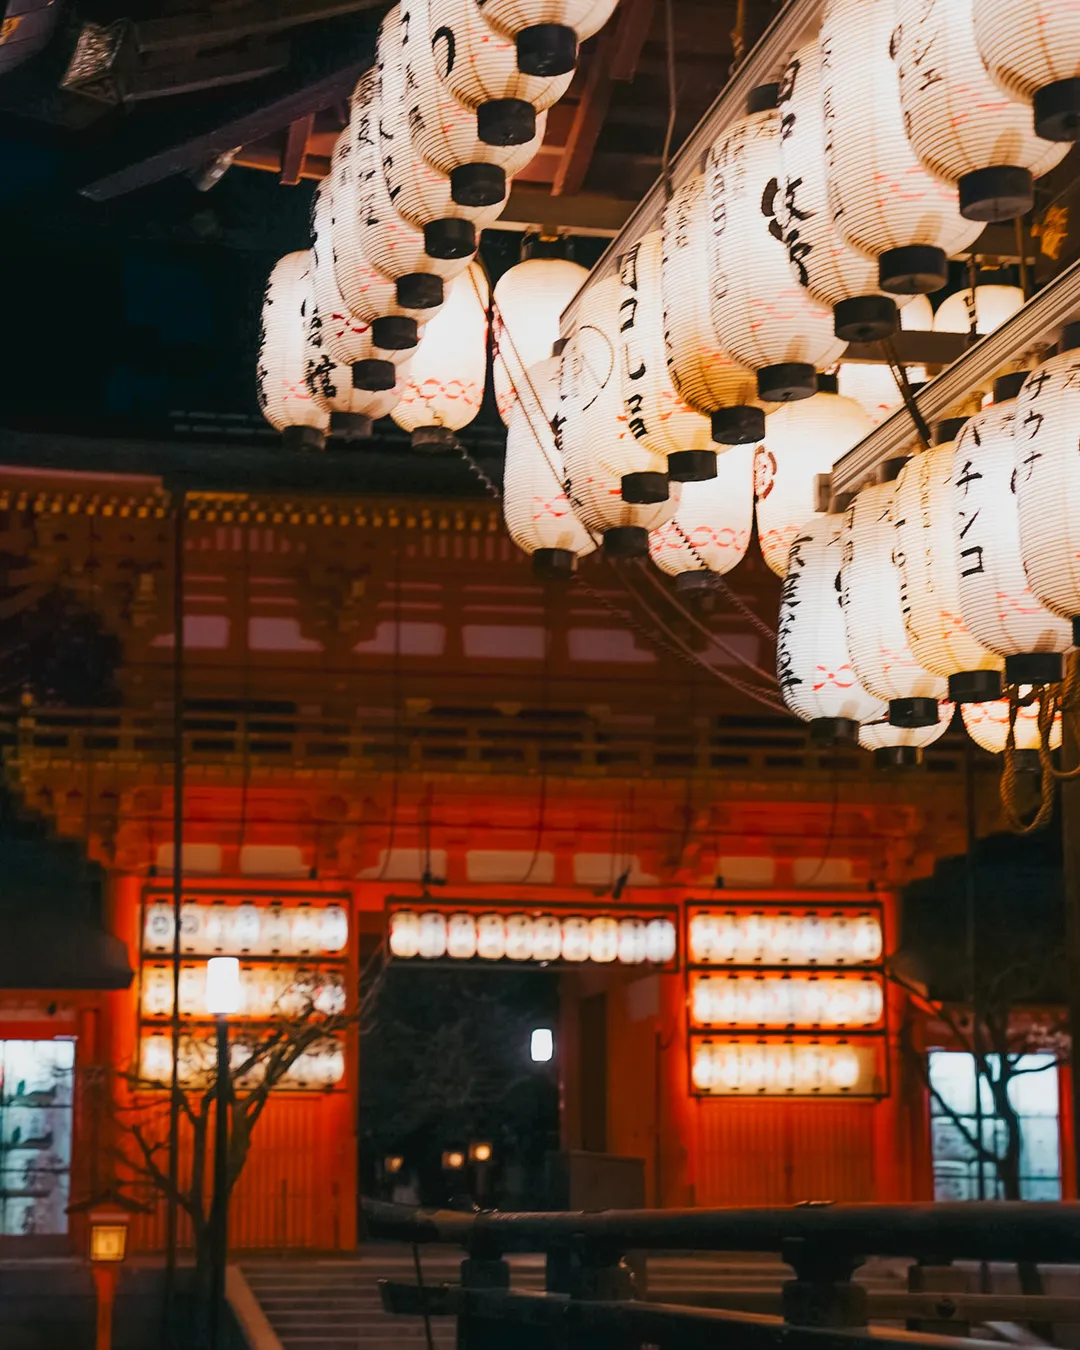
{"x":223,"y":996}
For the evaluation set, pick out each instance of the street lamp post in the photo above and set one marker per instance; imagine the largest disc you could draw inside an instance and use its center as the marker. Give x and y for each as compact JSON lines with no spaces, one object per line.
{"x":223,"y":996}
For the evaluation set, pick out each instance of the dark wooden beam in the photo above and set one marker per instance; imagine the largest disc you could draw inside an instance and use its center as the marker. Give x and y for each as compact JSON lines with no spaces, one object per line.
{"x":216,"y":26}
{"x":296,"y":140}
{"x":203,"y":72}
{"x":632,"y":31}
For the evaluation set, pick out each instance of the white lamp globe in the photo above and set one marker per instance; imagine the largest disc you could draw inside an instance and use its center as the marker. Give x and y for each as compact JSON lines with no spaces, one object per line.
{"x":993,"y":305}
{"x":281,"y":372}
{"x":529,"y":300}
{"x":813,"y":665}
{"x":605,"y":466}
{"x":703,"y":375}
{"x":224,"y":992}
{"x":547,"y":32}
{"x":479,"y":67}
{"x":963,"y":128}
{"x":710,"y":531}
{"x":763,"y":318}
{"x":802,"y":440}
{"x":444,"y":386}
{"x":537,"y":511}
{"x":988,"y":725}
{"x":995,"y":597}
{"x":883,"y":201}
{"x":902,"y":747}
{"x":1031,"y":49}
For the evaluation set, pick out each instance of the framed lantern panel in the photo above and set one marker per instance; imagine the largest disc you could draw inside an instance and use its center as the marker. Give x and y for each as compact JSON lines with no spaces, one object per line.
{"x":926,"y":555}
{"x":785,"y":935}
{"x":1031,"y":49}
{"x":319,"y":1067}
{"x":266,"y":991}
{"x":444,"y":384}
{"x":529,"y":300}
{"x":284,"y":396}
{"x":883,"y":201}
{"x":873,"y":604}
{"x":241,"y":927}
{"x":988,"y":725}
{"x":741,"y":1066}
{"x":783,"y":1000}
{"x":710,"y":531}
{"x":537,"y":511}
{"x":813,"y":665}
{"x":802,"y":440}
{"x":762,"y":316}
{"x":995,"y":599}
{"x":703,"y":375}
{"x":963,"y":128}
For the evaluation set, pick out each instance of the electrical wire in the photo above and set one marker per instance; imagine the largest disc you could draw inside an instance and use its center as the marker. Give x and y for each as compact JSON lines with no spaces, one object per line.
{"x":672,"y":98}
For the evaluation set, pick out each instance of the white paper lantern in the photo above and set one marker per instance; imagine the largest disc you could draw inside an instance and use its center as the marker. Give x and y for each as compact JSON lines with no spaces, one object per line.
{"x":960,"y":124}
{"x":874,"y":614}
{"x":536,"y":509}
{"x":883,"y":201}
{"x":801,"y":441}
{"x":404,"y":934}
{"x":333,"y":387}
{"x":836,"y":274}
{"x":761,"y":314}
{"x":703,"y":375}
{"x":334,"y":929}
{"x":926,"y":556}
{"x":529,"y":300}
{"x":444,"y":386}
{"x":710,"y":531}
{"x":603,"y":939}
{"x":813,"y":665}
{"x":461,"y":937}
{"x":575,"y":939}
{"x":285,"y":398}
{"x":874,"y":387}
{"x":598,"y":451}
{"x":654,"y":412}
{"x":547,"y":938}
{"x":902,"y":747}
{"x":1031,"y":49}
{"x":993,"y":305}
{"x":444,"y":130}
{"x":432,"y":943}
{"x":995,"y":598}
{"x":491,"y":937}
{"x":547,"y":32}
{"x":632,"y":942}
{"x":988,"y":725}
{"x":660,"y":941}
{"x":519,"y":937}
{"x":1048,"y":480}
{"x":480,"y":68}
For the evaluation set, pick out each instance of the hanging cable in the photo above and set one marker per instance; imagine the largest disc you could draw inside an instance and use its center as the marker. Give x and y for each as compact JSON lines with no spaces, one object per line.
{"x":672,"y":97}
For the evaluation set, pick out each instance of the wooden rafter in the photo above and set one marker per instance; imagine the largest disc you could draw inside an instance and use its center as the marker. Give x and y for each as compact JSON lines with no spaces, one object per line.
{"x":216,"y":26}
{"x":296,"y":145}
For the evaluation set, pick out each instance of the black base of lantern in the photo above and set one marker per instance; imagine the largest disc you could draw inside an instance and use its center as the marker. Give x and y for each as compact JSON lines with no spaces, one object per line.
{"x":975,"y":686}
{"x":506,"y":121}
{"x":913,"y":712}
{"x":761,"y":98}
{"x":644,"y":489}
{"x":450,"y":238}
{"x":546,"y":49}
{"x":1001,"y":192}
{"x":738,"y":425}
{"x":477,"y":184}
{"x":395,"y":332}
{"x":786,"y":383}
{"x":1057,"y":111}
{"x":627,"y":541}
{"x":1008,"y":386}
{"x":1035,"y":668}
{"x":554,"y":564}
{"x":1027,"y":761}
{"x":374,"y":376}
{"x":693,"y":583}
{"x":948,"y":429}
{"x":691,"y":466}
{"x":303,"y":438}
{"x":833,"y":731}
{"x":1076,"y":631}
{"x":420,"y":290}
{"x":898,"y":757}
{"x":917,"y":269}
{"x":865,"y":318}
{"x":433,"y":439}
{"x":350,"y":427}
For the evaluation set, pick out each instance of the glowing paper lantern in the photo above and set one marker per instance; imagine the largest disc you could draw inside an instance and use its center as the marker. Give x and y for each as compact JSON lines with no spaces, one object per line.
{"x":660,"y":941}
{"x":491,"y":937}
{"x":276,"y":934}
{"x":929,"y":563}
{"x":617,"y":486}
{"x":243,"y":927}
{"x":655,"y":414}
{"x":519,"y":937}
{"x":995,"y":598}
{"x":547,"y":32}
{"x":529,"y":299}
{"x":1031,"y":49}
{"x":575,"y":939}
{"x":960,"y":124}
{"x":480,"y":68}
{"x":710,"y":531}
{"x":632,"y":942}
{"x":547,"y":938}
{"x":432,"y":935}
{"x":703,"y":376}
{"x":538,"y":514}
{"x":461,"y":937}
{"x":874,"y":387}
{"x":813,"y":666}
{"x":993,"y":305}
{"x":444,"y":386}
{"x":1048,"y":479}
{"x":404,"y":934}
{"x":832,"y":271}
{"x":333,"y":928}
{"x":988,"y":725}
{"x":902,"y":747}
{"x":284,"y":396}
{"x":883,"y":201}
{"x":352,"y":408}
{"x":763,"y":318}
{"x":801,"y":441}
{"x":603,"y":939}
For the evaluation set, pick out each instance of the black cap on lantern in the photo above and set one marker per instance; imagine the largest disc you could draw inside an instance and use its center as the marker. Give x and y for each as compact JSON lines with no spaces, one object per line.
{"x":506,"y":121}
{"x":911,"y":713}
{"x":644,"y":489}
{"x":1057,"y":110}
{"x":420,"y":290}
{"x":373,"y":376}
{"x":692,"y":466}
{"x":1000,"y":192}
{"x":546,"y":49}
{"x":1008,"y":386}
{"x":554,"y":564}
{"x":477,"y":184}
{"x":787,"y":382}
{"x":395,"y":332}
{"x":828,"y":384}
{"x":303,"y":438}
{"x":434,"y":440}
{"x":1035,"y":668}
{"x":762,"y":98}
{"x":351,"y":427}
{"x":975,"y":686}
{"x":865,"y":318}
{"x":915,"y":269}
{"x":948,"y":429}
{"x":738,"y":425}
{"x":449,"y":238}
{"x":1070,"y":337}
{"x":627,"y":541}
{"x":898,"y":757}
{"x":828,"y":731}
{"x":693,"y":583}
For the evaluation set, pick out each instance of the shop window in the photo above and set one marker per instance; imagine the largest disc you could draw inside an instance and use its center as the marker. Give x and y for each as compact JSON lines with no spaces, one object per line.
{"x":36,"y":1090}
{"x":1034,"y":1095}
